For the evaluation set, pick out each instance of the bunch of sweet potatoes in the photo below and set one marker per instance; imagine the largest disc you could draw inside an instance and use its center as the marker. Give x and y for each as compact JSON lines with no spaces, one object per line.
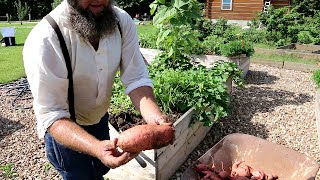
{"x":239,"y":171}
{"x":145,"y":137}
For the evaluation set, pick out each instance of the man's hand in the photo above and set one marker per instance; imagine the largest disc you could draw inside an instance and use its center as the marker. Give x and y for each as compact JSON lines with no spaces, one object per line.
{"x":159,"y":120}
{"x":111,"y":157}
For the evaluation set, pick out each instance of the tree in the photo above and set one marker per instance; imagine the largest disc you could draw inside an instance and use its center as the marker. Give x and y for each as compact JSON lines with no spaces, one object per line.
{"x":306,"y":7}
{"x":55,"y":3}
{"x":135,"y":6}
{"x":22,"y":10}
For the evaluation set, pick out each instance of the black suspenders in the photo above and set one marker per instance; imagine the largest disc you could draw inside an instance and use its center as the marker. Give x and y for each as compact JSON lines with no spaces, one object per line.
{"x":68,"y":61}
{"x":68,"y":64}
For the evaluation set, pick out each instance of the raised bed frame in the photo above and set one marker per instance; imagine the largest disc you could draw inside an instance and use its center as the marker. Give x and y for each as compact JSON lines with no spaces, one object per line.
{"x":161,"y":164}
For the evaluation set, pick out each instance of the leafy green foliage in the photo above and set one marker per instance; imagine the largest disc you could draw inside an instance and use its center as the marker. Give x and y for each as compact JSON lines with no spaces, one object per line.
{"x":55,"y":3}
{"x":173,"y":18}
{"x":306,"y":7}
{"x":22,"y":10}
{"x":234,"y":48}
{"x":285,"y":26}
{"x":200,"y":88}
{"x":305,"y":37}
{"x":148,"y":40}
{"x":119,"y":102}
{"x":178,"y":90}
{"x":7,"y":171}
{"x":316,"y":77}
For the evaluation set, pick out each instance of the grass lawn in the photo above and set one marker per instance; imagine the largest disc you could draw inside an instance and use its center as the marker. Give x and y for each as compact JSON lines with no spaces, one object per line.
{"x":11,"y":64}
{"x":146,"y":28}
{"x":284,"y":57}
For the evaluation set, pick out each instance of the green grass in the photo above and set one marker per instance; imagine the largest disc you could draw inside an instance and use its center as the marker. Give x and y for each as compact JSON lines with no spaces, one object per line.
{"x":264,"y":46}
{"x":316,"y":78}
{"x":284,"y":57}
{"x":147,"y":28}
{"x":11,"y":64}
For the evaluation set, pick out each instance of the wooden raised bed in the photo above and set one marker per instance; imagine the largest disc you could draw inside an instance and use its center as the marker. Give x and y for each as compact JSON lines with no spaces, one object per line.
{"x":161,"y":164}
{"x":242,"y":61}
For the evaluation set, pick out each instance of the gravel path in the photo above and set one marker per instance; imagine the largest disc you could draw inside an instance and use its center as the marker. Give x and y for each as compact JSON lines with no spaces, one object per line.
{"x":276,"y":104}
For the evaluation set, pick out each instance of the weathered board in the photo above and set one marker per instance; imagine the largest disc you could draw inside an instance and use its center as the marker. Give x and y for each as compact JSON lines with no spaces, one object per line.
{"x":318,"y":114}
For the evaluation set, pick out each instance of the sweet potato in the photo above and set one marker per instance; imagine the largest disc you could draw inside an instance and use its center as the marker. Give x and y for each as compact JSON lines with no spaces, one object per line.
{"x":240,"y":170}
{"x":145,"y":137}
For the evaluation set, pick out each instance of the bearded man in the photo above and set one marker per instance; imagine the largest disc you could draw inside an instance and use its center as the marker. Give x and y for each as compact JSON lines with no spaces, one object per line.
{"x":80,"y":148}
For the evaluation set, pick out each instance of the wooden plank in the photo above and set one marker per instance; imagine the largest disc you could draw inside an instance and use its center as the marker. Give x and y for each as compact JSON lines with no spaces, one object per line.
{"x":245,"y":67}
{"x":277,"y":64}
{"x":318,"y":114}
{"x":300,"y":66}
{"x":180,"y":126}
{"x":165,"y":157}
{"x":232,"y":16}
{"x":180,"y":157}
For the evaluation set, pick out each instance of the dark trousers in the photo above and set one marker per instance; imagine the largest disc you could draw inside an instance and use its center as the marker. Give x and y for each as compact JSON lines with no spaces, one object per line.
{"x":74,"y":165}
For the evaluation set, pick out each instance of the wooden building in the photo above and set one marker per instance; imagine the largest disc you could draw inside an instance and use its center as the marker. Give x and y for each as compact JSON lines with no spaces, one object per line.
{"x":240,"y":9}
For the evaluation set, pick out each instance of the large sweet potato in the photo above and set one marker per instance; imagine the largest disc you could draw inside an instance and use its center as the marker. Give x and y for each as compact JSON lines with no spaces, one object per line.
{"x":145,"y":137}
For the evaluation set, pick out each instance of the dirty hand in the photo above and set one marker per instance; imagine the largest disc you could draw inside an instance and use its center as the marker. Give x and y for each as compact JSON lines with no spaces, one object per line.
{"x":111,"y":157}
{"x":162,"y":120}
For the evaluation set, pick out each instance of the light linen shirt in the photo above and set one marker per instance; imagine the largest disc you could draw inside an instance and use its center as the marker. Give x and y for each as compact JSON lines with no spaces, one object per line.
{"x":93,"y":71}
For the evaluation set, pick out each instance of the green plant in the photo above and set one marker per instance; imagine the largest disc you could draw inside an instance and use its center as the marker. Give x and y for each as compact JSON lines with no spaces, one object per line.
{"x":22,"y":10}
{"x":305,"y":37}
{"x":174,"y":18}
{"x":234,"y":48}
{"x":55,"y":3}
{"x":148,"y":41}
{"x":7,"y":171}
{"x":316,"y":78}
{"x":200,"y":88}
{"x":48,"y":166}
{"x":178,"y":90}
{"x":119,"y":102}
{"x":212,"y":44}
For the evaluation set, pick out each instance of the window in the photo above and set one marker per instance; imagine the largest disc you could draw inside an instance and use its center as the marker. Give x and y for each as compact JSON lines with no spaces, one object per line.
{"x":226,"y":4}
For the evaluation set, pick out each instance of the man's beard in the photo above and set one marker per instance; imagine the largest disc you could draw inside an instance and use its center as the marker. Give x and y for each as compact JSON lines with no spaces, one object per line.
{"x":89,"y":26}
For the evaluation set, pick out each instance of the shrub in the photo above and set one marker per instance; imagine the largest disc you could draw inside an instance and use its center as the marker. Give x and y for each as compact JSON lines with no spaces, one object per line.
{"x":211,"y":44}
{"x":305,"y":37}
{"x":316,"y":78}
{"x":148,"y":40}
{"x":234,"y":48}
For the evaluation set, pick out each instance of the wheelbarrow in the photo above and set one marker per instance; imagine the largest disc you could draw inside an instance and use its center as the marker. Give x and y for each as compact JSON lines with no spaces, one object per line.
{"x":260,"y":154}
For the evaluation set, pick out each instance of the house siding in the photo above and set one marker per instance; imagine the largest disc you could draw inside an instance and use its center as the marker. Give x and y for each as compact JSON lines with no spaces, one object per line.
{"x":241,"y":9}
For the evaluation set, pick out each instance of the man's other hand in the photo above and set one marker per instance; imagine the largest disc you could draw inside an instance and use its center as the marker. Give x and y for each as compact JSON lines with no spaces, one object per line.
{"x":111,"y":156}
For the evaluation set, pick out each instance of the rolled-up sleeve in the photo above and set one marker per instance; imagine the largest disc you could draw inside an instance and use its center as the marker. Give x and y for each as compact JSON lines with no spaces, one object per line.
{"x":134,"y":72}
{"x":47,"y":76}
